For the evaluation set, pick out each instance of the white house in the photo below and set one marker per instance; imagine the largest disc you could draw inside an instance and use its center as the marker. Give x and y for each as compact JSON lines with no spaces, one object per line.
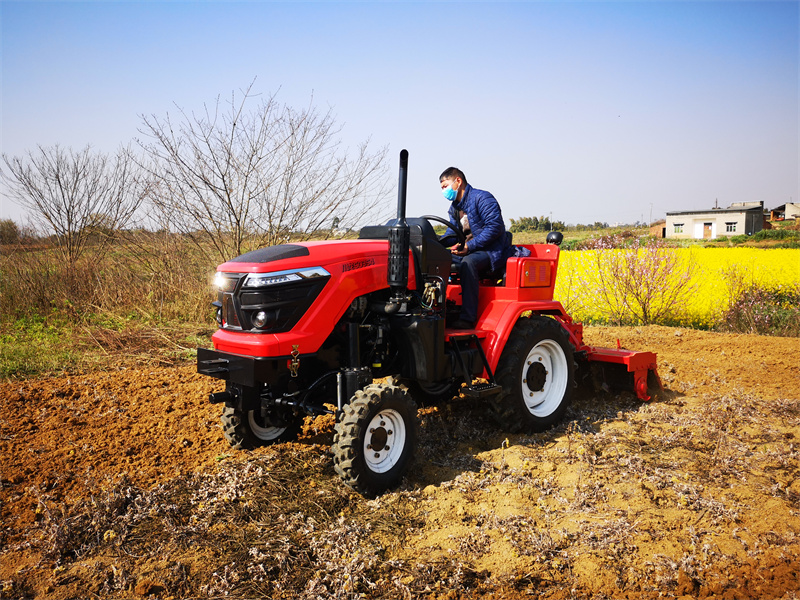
{"x":739,"y":218}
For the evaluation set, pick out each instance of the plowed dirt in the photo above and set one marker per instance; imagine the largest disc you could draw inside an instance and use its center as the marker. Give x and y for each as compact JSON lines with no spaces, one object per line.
{"x":119,"y":484}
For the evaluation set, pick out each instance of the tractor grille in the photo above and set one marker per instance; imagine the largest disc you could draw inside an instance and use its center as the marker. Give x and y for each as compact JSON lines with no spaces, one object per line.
{"x":279,"y":300}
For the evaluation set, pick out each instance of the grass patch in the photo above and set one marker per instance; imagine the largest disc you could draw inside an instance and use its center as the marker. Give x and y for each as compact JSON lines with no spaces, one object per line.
{"x":37,"y":346}
{"x":574,"y":239}
{"x":33,"y":346}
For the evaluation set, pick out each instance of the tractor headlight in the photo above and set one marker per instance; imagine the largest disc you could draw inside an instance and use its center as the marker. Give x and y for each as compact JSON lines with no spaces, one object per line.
{"x":270,"y":302}
{"x":260,"y":280}
{"x":256,"y":280}
{"x":226,"y":282}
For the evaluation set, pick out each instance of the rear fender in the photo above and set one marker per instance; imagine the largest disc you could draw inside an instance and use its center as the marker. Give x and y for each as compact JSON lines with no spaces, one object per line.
{"x":501,"y":316}
{"x":528,"y":288}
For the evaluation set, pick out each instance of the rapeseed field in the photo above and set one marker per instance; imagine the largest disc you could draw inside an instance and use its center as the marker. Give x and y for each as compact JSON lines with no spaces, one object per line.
{"x":706,"y":281}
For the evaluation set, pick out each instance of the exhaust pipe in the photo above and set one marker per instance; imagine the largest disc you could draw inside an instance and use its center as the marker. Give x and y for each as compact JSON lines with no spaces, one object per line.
{"x":402,"y":186}
{"x":399,"y":241}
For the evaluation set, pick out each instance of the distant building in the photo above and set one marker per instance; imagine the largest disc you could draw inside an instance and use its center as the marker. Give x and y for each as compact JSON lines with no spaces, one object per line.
{"x":740,"y":218}
{"x":658,"y":228}
{"x":790,"y":210}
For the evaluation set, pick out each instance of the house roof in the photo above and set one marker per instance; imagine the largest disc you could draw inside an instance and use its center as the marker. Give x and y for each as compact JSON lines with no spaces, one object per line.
{"x":783,"y":206}
{"x":714,"y":211}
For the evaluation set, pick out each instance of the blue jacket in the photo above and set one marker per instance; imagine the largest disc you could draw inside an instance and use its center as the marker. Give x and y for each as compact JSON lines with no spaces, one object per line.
{"x":486,"y":223}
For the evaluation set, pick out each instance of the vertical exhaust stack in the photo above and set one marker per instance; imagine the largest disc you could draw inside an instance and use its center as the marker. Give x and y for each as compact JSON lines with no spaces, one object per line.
{"x":399,"y":240}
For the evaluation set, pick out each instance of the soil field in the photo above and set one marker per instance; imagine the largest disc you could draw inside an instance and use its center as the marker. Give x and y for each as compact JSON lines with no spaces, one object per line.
{"x":119,"y":484}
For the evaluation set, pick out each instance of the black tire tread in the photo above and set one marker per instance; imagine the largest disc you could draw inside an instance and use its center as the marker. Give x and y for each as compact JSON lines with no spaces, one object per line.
{"x":348,"y":440}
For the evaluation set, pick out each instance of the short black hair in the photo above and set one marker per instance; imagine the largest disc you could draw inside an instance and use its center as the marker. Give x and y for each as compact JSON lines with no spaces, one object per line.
{"x":453,"y":172}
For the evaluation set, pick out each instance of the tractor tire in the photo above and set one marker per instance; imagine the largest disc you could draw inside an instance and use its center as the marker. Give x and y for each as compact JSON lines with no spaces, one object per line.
{"x":536,"y":371}
{"x":246,"y":430}
{"x":375,"y":438}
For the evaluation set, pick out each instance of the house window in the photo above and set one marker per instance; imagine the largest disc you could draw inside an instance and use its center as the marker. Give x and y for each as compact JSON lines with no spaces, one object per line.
{"x":730,"y":227}
{"x":678,"y":227}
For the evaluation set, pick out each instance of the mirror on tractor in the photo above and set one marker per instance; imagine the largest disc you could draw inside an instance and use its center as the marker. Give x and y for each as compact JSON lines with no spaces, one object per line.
{"x":555,"y":237}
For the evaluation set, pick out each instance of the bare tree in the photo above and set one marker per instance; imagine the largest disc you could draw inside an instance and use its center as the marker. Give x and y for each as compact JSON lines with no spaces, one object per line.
{"x":638,"y":283}
{"x":68,"y":192}
{"x":235,"y":179}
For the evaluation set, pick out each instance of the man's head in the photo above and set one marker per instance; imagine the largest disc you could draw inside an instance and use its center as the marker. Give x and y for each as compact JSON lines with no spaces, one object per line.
{"x":453,"y":179}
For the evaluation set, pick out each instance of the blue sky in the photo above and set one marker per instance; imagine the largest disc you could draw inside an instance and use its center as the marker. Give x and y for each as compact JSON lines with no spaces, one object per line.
{"x":586,"y":111}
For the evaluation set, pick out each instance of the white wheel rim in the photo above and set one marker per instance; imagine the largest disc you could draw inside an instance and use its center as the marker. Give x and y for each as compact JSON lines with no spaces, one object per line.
{"x":548,"y":381}
{"x":267,"y":433}
{"x":384,"y":441}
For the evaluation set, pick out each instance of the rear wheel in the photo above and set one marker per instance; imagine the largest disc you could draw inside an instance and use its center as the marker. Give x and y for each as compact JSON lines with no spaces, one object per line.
{"x":536,"y":371}
{"x":246,"y":430}
{"x":375,"y":438}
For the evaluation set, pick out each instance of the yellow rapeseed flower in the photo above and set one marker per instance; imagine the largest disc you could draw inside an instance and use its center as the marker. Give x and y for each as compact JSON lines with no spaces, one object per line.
{"x":717,"y":276}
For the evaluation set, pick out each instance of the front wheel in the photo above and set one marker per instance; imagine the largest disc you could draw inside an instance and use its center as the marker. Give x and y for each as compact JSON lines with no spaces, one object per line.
{"x":375,"y":438}
{"x":246,"y":430}
{"x":536,"y":371}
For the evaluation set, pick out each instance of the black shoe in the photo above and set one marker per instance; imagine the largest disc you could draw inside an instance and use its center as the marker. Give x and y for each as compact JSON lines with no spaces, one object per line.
{"x":461,"y":324}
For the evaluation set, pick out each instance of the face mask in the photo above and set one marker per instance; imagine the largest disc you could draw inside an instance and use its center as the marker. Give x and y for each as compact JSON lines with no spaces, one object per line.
{"x":449,"y":193}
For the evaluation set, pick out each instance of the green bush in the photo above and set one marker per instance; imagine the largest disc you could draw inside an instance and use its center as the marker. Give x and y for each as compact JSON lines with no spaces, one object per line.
{"x":776,"y":234}
{"x":9,"y":232}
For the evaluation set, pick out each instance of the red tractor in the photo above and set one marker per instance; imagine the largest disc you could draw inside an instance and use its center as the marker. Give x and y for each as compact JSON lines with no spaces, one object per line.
{"x":307,"y":326}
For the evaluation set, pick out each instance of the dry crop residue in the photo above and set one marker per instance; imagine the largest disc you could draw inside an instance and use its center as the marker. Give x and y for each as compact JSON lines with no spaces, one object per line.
{"x":119,"y":484}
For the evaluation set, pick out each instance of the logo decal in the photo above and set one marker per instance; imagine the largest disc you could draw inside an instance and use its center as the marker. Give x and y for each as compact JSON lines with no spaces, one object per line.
{"x":358,"y":264}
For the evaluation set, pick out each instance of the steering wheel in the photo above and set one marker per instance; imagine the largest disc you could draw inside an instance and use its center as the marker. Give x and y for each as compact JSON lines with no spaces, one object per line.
{"x":447,"y":240}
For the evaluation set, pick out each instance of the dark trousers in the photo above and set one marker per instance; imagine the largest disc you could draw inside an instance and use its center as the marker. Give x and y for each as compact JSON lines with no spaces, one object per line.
{"x":472,"y":267}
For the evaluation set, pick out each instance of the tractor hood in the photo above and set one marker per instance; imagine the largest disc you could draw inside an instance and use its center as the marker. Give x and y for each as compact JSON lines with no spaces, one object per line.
{"x":340,"y":255}
{"x":293,"y":294}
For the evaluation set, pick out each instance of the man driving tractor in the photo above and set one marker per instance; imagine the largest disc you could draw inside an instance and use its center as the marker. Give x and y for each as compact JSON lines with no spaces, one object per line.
{"x":489,"y":246}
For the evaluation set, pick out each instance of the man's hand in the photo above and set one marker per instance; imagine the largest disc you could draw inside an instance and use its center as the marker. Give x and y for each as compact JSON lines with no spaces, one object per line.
{"x":459,"y":250}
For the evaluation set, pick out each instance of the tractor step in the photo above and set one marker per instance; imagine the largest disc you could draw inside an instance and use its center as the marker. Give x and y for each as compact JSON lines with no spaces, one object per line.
{"x":474,"y":390}
{"x":482,"y":390}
